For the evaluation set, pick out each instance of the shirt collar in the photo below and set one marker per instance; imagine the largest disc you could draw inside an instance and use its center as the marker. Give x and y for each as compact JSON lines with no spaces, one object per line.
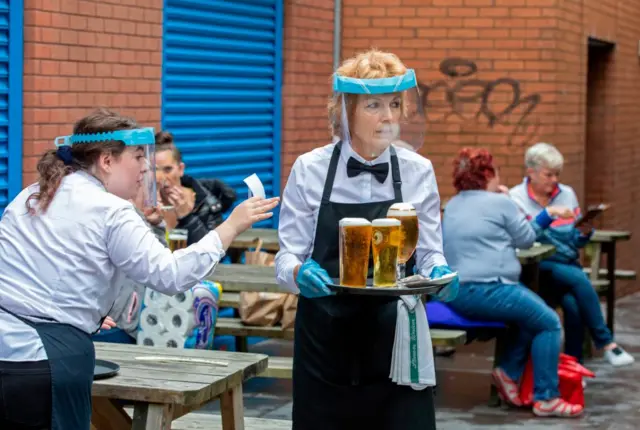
{"x":88,"y":177}
{"x":527,"y":186}
{"x":348,"y":152}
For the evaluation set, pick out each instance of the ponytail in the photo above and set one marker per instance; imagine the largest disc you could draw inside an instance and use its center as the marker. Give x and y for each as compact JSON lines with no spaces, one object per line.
{"x":58,"y":163}
{"x":51,"y":170}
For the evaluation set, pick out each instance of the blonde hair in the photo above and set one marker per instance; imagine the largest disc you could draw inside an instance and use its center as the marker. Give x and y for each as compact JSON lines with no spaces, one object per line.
{"x":372,"y":64}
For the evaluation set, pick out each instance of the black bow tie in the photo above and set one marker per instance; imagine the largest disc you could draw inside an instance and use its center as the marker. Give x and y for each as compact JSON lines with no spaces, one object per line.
{"x":380,"y":171}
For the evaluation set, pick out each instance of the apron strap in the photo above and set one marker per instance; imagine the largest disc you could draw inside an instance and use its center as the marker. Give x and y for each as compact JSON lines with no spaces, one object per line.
{"x":331,"y":173}
{"x":395,"y":175}
{"x":25,"y":320}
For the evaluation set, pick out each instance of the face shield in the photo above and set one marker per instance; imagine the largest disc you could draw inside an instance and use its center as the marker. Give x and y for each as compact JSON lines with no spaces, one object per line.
{"x":373,"y":114}
{"x":142,"y":140}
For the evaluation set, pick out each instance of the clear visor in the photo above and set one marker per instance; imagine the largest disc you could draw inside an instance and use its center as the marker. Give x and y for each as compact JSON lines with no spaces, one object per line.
{"x":378,"y":119}
{"x":147,"y":192}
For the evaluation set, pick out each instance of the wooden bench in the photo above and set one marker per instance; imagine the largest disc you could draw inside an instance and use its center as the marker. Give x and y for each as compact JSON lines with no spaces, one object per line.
{"x":203,"y":421}
{"x":279,"y":368}
{"x":235,"y":327}
{"x":620,"y":274}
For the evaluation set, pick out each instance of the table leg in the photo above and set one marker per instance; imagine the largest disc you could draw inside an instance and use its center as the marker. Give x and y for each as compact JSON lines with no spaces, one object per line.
{"x":232,"y":409}
{"x":242,"y":344}
{"x":235,"y":254}
{"x":108,"y":415}
{"x":530,"y":276}
{"x":152,"y":416}
{"x":610,"y":249}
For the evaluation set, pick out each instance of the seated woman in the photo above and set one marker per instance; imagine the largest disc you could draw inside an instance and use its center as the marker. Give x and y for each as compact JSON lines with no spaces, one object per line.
{"x":482,"y":228}
{"x":197,"y":204}
{"x":579,"y":299}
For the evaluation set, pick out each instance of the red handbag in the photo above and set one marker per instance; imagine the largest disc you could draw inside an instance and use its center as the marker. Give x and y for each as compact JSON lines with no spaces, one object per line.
{"x":570,"y":374}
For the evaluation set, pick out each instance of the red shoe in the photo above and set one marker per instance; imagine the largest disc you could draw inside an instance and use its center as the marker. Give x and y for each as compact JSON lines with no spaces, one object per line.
{"x":557,"y":408}
{"x":507,"y":389}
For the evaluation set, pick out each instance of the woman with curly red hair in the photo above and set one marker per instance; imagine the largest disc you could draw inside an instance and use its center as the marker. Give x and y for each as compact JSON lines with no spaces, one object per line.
{"x":482,"y":227}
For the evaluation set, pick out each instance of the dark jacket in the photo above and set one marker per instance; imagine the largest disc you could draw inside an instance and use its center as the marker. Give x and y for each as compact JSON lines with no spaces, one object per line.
{"x":213,"y":198}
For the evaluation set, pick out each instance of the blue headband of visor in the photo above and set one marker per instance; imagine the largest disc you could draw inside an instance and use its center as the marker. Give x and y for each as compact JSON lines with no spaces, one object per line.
{"x":395,"y":84}
{"x":138,"y":136}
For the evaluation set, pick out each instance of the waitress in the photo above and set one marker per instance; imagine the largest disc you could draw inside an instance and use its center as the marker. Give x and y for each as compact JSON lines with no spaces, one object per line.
{"x":66,"y":243}
{"x":343,"y":344}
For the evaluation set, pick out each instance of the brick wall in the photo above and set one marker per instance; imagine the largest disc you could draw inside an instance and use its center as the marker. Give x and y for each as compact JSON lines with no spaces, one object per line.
{"x":83,"y":54}
{"x":611,"y":171}
{"x":508,"y":52}
{"x":308,"y":64}
{"x":532,"y":54}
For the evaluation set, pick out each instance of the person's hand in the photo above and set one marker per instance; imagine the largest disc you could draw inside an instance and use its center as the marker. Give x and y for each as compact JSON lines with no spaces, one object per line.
{"x":312,"y":280}
{"x":181,"y":204}
{"x":503,"y":189}
{"x":250,"y":212}
{"x":153,"y":215}
{"x":560,"y":212}
{"x":450,"y":291}
{"x":108,"y":324}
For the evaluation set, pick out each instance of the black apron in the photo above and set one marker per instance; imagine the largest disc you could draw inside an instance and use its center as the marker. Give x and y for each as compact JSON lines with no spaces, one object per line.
{"x":71,"y":356}
{"x":343,"y":344}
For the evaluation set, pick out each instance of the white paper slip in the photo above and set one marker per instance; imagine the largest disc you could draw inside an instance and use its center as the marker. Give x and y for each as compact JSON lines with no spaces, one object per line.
{"x":255,"y":186}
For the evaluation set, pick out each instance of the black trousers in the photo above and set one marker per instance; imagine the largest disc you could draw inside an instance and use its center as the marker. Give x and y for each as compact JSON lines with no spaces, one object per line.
{"x":25,"y":395}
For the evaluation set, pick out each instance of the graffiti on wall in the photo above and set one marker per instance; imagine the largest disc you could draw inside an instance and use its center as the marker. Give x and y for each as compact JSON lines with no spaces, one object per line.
{"x":498,"y":102}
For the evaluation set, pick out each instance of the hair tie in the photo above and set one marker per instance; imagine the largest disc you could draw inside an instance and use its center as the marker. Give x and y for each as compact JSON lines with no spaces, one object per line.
{"x":64,"y":153}
{"x":463,"y":164}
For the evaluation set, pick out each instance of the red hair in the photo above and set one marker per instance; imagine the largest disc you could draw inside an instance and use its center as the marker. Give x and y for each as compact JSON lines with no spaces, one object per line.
{"x":472,"y":169}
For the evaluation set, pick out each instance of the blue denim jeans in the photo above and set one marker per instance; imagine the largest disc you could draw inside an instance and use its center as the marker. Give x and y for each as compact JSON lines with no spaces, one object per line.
{"x":580,"y":305}
{"x":114,"y":335}
{"x":539,"y":330}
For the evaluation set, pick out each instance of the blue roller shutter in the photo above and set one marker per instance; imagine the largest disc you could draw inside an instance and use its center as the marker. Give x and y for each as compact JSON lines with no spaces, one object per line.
{"x":10,"y":100}
{"x":221,"y":88}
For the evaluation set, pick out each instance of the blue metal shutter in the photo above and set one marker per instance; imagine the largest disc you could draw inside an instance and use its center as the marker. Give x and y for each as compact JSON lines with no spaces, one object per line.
{"x":221,"y":79}
{"x":10,"y":100}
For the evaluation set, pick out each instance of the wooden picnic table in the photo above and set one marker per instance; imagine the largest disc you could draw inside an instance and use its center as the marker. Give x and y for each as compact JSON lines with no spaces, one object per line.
{"x":245,"y":277}
{"x":607,"y":241}
{"x":163,"y":391}
{"x":240,"y":277}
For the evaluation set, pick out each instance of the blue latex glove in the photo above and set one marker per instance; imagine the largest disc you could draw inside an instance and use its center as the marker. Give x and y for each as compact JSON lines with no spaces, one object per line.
{"x":312,"y":280}
{"x":450,"y":291}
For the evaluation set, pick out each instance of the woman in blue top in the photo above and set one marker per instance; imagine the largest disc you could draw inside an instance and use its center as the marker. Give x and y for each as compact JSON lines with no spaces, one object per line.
{"x":482,"y":228}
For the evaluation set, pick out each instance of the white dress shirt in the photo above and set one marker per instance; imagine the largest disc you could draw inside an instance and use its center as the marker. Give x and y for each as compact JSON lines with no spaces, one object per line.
{"x":303,"y":193}
{"x":67,"y":263}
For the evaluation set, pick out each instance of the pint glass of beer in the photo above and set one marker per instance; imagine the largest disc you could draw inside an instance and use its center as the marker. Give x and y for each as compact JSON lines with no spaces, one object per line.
{"x":177,"y":239}
{"x":386,"y":239}
{"x":406,"y":214}
{"x":355,"y":245}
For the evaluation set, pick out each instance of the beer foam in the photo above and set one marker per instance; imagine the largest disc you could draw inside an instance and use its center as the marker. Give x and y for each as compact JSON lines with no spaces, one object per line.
{"x":351,"y":222}
{"x":406,"y":211}
{"x":402,"y":207}
{"x":385,"y":222}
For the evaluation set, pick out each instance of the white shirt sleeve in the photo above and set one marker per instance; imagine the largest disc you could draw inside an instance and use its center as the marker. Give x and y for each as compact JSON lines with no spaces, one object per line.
{"x":295,"y":230}
{"x":134,"y":249}
{"x":429,"y":250}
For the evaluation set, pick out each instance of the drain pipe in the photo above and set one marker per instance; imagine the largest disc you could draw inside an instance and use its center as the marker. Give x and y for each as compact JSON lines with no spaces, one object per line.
{"x":337,"y":32}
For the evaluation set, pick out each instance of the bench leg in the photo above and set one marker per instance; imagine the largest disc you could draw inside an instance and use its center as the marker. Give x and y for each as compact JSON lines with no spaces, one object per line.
{"x":501,"y":340}
{"x":106,"y":414}
{"x":587,"y":345}
{"x":152,"y":416}
{"x":610,"y":249}
{"x":242,"y":344}
{"x":232,"y":409}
